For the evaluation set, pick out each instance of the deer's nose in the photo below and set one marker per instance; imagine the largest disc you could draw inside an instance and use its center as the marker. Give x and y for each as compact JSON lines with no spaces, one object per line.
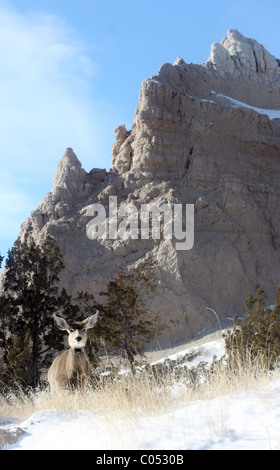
{"x":79,"y":338}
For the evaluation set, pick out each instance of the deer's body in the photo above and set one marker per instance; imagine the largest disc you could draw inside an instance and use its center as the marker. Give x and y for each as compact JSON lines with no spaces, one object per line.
{"x":71,"y":369}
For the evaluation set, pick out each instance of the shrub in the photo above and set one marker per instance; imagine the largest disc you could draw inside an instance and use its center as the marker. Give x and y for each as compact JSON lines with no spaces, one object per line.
{"x":257,"y":333}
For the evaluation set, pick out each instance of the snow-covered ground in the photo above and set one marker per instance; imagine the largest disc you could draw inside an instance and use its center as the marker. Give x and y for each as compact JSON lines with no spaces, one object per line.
{"x":242,"y":420}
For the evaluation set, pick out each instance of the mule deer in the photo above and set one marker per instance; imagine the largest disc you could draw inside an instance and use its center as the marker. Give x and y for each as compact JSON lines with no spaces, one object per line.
{"x":71,"y":369}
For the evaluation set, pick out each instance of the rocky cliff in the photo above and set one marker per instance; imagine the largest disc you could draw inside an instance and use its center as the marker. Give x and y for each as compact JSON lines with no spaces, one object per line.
{"x":207,"y":135}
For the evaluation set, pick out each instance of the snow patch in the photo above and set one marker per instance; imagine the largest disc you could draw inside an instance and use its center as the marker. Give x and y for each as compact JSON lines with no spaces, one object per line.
{"x":203,"y":353}
{"x":239,"y":421}
{"x":271,"y":113}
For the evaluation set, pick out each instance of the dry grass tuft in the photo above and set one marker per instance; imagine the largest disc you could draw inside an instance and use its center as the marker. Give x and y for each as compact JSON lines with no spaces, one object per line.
{"x":150,"y":391}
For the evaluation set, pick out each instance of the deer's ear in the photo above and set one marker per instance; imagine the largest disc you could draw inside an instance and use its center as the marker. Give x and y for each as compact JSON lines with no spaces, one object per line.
{"x":60,"y":323}
{"x":90,"y":322}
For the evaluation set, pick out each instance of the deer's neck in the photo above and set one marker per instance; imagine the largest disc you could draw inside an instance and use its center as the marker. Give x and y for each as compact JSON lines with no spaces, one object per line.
{"x":77,"y":357}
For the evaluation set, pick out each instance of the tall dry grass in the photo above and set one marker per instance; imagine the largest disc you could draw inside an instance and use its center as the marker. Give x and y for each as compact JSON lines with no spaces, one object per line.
{"x":150,"y":391}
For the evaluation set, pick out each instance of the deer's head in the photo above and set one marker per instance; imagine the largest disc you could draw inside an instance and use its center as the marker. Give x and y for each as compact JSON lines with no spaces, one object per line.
{"x":77,"y":331}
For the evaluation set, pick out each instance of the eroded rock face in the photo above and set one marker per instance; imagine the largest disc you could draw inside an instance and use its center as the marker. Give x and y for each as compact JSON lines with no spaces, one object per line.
{"x":238,"y":55}
{"x":200,"y":136}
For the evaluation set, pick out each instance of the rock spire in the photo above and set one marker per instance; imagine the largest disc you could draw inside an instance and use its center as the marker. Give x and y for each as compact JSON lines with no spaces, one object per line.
{"x":203,"y":134}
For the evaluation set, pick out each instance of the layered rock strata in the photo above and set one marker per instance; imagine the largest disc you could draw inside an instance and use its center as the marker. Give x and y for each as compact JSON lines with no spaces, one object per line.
{"x":207,"y":135}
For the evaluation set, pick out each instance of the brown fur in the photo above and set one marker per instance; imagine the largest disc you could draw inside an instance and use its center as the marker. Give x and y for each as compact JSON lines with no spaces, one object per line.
{"x":71,"y":369}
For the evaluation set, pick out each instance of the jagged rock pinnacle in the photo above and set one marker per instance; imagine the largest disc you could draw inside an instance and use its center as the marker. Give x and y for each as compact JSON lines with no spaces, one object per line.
{"x":197,"y":138}
{"x":68,"y":170}
{"x":243,"y":56}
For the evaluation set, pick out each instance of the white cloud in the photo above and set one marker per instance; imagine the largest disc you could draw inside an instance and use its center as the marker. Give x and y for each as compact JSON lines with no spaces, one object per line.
{"x":45,"y":89}
{"x":46,"y":105}
{"x":39,"y":47}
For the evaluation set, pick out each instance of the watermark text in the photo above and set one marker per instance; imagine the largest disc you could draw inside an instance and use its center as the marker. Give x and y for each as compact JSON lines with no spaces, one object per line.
{"x":167,"y":221}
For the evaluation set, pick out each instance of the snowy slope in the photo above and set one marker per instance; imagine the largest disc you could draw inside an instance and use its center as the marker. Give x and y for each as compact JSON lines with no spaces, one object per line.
{"x":201,"y":353}
{"x":240,"y":421}
{"x":244,"y":420}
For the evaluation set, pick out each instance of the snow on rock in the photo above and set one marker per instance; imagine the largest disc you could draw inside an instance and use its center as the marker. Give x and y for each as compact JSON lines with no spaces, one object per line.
{"x":271,"y":113}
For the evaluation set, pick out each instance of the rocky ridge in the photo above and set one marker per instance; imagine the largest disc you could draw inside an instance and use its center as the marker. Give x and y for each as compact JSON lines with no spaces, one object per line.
{"x":207,"y":135}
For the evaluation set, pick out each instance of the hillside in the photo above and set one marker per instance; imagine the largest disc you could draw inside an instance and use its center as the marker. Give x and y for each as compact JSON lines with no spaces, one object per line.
{"x":205,"y":136}
{"x":243,"y":418}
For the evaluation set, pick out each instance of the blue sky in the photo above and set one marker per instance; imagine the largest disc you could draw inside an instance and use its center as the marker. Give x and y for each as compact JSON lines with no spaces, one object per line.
{"x":71,"y":71}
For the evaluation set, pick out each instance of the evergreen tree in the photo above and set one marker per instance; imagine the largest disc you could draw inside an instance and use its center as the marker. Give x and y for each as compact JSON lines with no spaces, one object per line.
{"x":273,"y":330}
{"x":31,"y":296}
{"x":257,"y":334}
{"x":18,"y":367}
{"x":126,"y":325}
